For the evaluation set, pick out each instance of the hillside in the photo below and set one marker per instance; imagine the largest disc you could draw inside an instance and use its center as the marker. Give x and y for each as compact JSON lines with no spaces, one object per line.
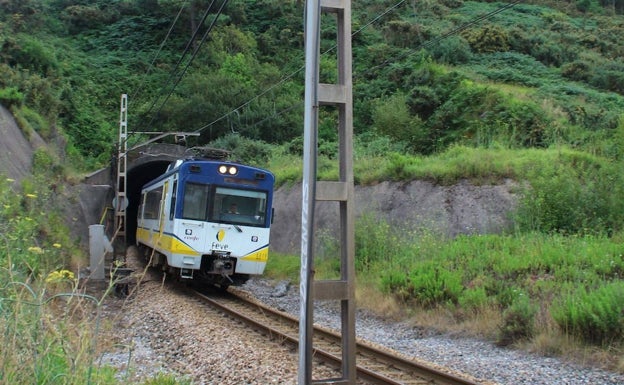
{"x":15,"y":151}
{"x":489,"y":146}
{"x":427,"y":75}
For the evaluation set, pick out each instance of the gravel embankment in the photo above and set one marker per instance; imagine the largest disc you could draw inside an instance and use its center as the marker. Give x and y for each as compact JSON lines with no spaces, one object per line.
{"x":476,"y":358}
{"x":162,"y":330}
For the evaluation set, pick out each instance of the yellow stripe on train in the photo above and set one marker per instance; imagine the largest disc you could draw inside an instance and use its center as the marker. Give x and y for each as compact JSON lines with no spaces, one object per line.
{"x":261,"y":255}
{"x":165,"y":242}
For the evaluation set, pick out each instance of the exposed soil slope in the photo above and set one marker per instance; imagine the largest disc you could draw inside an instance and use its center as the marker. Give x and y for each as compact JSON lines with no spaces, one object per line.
{"x":15,"y":150}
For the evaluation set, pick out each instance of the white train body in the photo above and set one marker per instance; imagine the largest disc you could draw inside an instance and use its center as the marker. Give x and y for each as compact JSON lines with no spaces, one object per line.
{"x":207,"y":220}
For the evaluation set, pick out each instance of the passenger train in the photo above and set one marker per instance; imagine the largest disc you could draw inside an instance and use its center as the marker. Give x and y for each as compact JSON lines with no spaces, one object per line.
{"x":207,"y":220}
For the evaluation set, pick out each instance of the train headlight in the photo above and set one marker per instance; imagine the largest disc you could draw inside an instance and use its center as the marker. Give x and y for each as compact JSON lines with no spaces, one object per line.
{"x":225,"y":169}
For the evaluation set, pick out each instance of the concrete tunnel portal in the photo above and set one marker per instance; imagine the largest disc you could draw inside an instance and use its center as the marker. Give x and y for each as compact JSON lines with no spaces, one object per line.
{"x":137,"y":177}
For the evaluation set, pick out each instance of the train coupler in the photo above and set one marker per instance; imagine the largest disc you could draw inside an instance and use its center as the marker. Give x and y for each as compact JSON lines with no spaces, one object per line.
{"x":186,"y":273}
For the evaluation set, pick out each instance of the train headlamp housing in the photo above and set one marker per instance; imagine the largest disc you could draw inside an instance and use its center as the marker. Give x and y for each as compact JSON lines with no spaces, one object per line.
{"x":225,"y":169}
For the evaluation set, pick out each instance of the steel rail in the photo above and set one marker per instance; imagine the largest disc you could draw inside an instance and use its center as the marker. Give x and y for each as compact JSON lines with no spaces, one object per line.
{"x":418,"y":373}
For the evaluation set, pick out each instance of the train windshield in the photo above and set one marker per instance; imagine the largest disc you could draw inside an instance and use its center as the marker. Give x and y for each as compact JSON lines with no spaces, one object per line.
{"x":224,"y":204}
{"x":245,"y":207}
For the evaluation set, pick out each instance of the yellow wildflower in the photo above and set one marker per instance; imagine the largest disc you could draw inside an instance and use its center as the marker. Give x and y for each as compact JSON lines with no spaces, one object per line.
{"x":35,"y":249}
{"x":57,"y":245}
{"x":60,"y":275}
{"x":31,"y":195}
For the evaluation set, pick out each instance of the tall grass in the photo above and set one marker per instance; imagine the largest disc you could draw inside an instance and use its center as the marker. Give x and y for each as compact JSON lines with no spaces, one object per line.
{"x":517,"y":274}
{"x":520,"y":275}
{"x":48,"y":337}
{"x":51,"y":332}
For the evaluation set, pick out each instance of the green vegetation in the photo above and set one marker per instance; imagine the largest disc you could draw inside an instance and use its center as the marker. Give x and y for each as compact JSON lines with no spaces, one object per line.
{"x":52,"y":332}
{"x":39,"y":303}
{"x":535,"y":94}
{"x":531,"y":283}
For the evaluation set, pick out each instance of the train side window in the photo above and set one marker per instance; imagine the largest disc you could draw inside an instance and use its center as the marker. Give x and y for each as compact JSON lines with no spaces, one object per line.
{"x":152,"y":203}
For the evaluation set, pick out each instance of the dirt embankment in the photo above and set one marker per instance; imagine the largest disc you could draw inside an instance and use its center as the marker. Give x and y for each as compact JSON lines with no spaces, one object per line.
{"x":462,"y":208}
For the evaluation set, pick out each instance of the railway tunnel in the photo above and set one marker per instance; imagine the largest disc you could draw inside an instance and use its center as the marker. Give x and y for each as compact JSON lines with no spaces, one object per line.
{"x":144,"y":165}
{"x":139,"y":175}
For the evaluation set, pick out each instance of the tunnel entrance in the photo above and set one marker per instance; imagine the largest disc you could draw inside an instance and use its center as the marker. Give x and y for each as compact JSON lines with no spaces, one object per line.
{"x":137,"y":177}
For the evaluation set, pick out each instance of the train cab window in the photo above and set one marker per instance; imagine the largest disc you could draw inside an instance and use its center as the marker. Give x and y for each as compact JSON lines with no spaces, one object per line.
{"x":195,"y":201}
{"x":152,"y":204}
{"x":244,"y":207}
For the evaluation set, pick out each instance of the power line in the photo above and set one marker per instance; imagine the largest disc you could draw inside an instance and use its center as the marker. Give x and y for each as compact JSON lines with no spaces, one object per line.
{"x":430,"y":43}
{"x":193,"y":55}
{"x":290,"y":76}
{"x":162,"y":44}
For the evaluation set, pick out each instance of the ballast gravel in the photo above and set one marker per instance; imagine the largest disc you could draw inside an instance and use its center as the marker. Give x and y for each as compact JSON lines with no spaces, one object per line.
{"x":476,"y":358}
{"x":160,"y":330}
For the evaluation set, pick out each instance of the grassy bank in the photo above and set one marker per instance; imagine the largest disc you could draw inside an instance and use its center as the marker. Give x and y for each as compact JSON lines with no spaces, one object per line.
{"x":549,"y":293}
{"x":553,"y":285}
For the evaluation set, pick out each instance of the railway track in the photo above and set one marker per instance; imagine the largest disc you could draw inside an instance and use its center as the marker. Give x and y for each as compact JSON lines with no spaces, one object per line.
{"x":374,"y":365}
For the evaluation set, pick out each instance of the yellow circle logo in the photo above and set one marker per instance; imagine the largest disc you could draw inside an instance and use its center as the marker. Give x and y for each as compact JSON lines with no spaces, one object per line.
{"x":220,"y":235}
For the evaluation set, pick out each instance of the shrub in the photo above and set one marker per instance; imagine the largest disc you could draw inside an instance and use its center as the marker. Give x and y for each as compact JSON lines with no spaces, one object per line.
{"x":473,"y":298}
{"x":404,"y":34}
{"x":392,"y":118}
{"x":594,"y":315}
{"x":30,"y":120}
{"x":453,"y":50}
{"x":579,"y":70}
{"x":245,"y":150}
{"x":518,"y":321}
{"x":395,"y":282}
{"x":11,"y":96}
{"x":609,"y":77}
{"x":573,"y":193}
{"x":29,"y":52}
{"x":490,"y":38}
{"x":375,"y":242}
{"x":433,"y":285}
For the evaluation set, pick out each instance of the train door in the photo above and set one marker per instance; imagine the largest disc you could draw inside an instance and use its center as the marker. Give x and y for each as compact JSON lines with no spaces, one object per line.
{"x":162,"y":210}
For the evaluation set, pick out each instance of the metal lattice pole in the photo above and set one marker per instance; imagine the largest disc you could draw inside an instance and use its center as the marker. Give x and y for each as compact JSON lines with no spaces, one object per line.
{"x":121,"y":200}
{"x":342,"y":191}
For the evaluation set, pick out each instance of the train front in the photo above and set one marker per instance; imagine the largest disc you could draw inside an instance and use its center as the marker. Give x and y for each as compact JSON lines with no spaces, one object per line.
{"x":226,"y":216}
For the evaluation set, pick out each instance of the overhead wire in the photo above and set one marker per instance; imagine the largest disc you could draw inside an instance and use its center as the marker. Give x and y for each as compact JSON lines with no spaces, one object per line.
{"x":290,"y":76}
{"x":189,"y":44}
{"x":162,"y":44}
{"x":446,"y":35}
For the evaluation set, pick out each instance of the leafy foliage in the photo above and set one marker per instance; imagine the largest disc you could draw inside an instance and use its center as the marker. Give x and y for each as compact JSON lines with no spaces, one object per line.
{"x":593,"y":314}
{"x":573,"y":193}
{"x":247,"y":75}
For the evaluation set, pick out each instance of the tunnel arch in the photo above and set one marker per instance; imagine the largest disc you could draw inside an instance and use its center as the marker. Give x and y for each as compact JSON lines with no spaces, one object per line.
{"x":145,"y":165}
{"x":138,"y":176}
